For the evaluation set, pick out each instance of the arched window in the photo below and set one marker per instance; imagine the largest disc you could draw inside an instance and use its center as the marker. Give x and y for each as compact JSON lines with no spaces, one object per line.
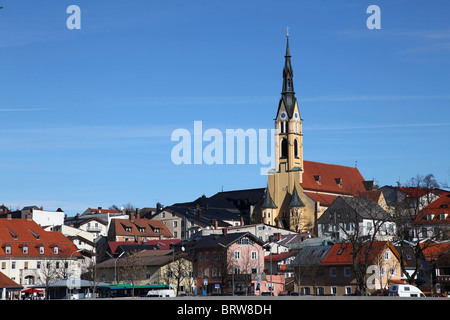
{"x":284,"y":148}
{"x":295,"y":148}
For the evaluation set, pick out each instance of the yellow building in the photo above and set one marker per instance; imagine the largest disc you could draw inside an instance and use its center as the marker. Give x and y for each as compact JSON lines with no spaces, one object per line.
{"x":298,"y":191}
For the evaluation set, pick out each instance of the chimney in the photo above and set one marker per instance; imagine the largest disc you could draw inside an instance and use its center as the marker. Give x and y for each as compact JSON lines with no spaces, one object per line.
{"x":8,"y":216}
{"x":78,"y":216}
{"x":224,"y":231}
{"x":29,"y":217}
{"x":137,"y":213}
{"x":158,"y":207}
{"x":131,"y":216}
{"x":216,"y":224}
{"x":242,"y":220}
{"x":279,"y":236}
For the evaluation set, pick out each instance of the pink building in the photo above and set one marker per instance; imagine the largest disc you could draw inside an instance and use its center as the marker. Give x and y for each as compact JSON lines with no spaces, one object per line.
{"x":232,"y":262}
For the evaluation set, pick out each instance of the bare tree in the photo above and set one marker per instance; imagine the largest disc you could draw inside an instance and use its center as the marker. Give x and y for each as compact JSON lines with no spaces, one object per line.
{"x":133,"y":269}
{"x":47,"y":273}
{"x":421,"y":191}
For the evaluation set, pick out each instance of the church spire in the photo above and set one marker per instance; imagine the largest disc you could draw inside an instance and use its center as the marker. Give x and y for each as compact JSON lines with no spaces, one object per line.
{"x":288,"y":74}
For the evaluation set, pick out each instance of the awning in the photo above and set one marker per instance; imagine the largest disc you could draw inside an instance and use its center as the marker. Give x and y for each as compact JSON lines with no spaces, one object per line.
{"x":31,"y":290}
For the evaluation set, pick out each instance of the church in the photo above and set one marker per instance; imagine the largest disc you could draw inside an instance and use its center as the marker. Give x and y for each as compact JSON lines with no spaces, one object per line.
{"x":298,"y":191}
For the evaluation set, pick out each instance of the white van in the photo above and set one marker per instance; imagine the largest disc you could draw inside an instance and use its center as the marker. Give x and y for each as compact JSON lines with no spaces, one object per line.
{"x":405,"y":290}
{"x":161,"y":293}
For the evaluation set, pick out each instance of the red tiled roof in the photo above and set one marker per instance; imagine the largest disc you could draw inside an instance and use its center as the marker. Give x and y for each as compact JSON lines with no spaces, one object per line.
{"x":18,"y":233}
{"x":7,"y":283}
{"x":149,"y":225}
{"x":324,"y":199}
{"x":329,"y":175}
{"x":431,"y":213}
{"x":433,"y":251}
{"x":280,"y":256}
{"x":420,"y":192}
{"x":341,"y":253}
{"x":163,"y":244}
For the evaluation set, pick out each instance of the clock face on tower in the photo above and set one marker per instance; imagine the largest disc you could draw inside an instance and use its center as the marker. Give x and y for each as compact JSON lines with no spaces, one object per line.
{"x":283,"y":115}
{"x":296,"y":115}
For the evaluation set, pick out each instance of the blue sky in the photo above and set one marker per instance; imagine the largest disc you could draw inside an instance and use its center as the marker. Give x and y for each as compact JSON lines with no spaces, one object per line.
{"x":87,"y":115}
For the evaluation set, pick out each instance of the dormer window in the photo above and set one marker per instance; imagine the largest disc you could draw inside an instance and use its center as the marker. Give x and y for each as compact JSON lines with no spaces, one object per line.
{"x":318,"y":179}
{"x":142,"y":230}
{"x":338,"y":181}
{"x":25,"y":249}
{"x":56,"y":250}
{"x":41,"y":250}
{"x":128,"y":229}
{"x":429,"y":217}
{"x":442,"y":216}
{"x":8,"y":249}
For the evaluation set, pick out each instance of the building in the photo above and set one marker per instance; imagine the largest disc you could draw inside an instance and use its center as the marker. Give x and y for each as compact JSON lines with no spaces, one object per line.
{"x":46,"y":219}
{"x":231,"y":262}
{"x":153,"y":267}
{"x":30,"y":255}
{"x":298,"y":191}
{"x":355,"y":216}
{"x":183,"y":222}
{"x":337,"y":276}
{"x":8,"y":288}
{"x":137,"y":229}
{"x":433,"y":221}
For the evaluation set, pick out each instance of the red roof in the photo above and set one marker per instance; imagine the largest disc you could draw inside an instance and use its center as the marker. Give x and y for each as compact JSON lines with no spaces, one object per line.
{"x":332,"y":178}
{"x":136,"y":226}
{"x":433,"y":251}
{"x":280,"y":256}
{"x":19,"y":233}
{"x":432,"y":213}
{"x":7,"y":283}
{"x":163,"y":244}
{"x":341,"y":253}
{"x":420,"y":192}
{"x":323,"y":199}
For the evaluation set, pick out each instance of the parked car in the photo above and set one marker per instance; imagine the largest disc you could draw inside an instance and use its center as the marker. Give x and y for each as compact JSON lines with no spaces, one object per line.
{"x":405,"y":290}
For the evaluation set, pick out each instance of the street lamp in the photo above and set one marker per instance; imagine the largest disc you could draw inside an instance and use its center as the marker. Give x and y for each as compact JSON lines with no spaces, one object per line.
{"x":115,"y":264}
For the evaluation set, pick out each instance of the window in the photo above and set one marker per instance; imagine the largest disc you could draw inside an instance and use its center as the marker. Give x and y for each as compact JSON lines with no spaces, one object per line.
{"x":284,"y":148}
{"x":175,"y":223}
{"x":55,"y":250}
{"x":386,"y":255}
{"x":237,"y":255}
{"x":347,"y":272}
{"x":332,"y":272}
{"x":254,"y":255}
{"x":333,"y":291}
{"x":25,"y":249}
{"x":392,"y":271}
{"x":296,"y":148}
{"x":348,"y":290}
{"x":38,"y":264}
{"x":8,"y":249}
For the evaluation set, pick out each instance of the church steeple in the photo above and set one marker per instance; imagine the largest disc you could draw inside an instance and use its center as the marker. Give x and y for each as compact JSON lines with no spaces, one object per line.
{"x":288,"y":74}
{"x":287,"y":92}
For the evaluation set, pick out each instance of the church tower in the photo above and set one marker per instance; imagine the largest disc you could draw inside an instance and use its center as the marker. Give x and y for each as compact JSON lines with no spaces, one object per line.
{"x":285,"y":205}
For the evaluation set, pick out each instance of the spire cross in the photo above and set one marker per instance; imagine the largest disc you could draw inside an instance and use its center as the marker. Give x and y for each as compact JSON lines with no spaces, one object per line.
{"x":287,"y":31}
